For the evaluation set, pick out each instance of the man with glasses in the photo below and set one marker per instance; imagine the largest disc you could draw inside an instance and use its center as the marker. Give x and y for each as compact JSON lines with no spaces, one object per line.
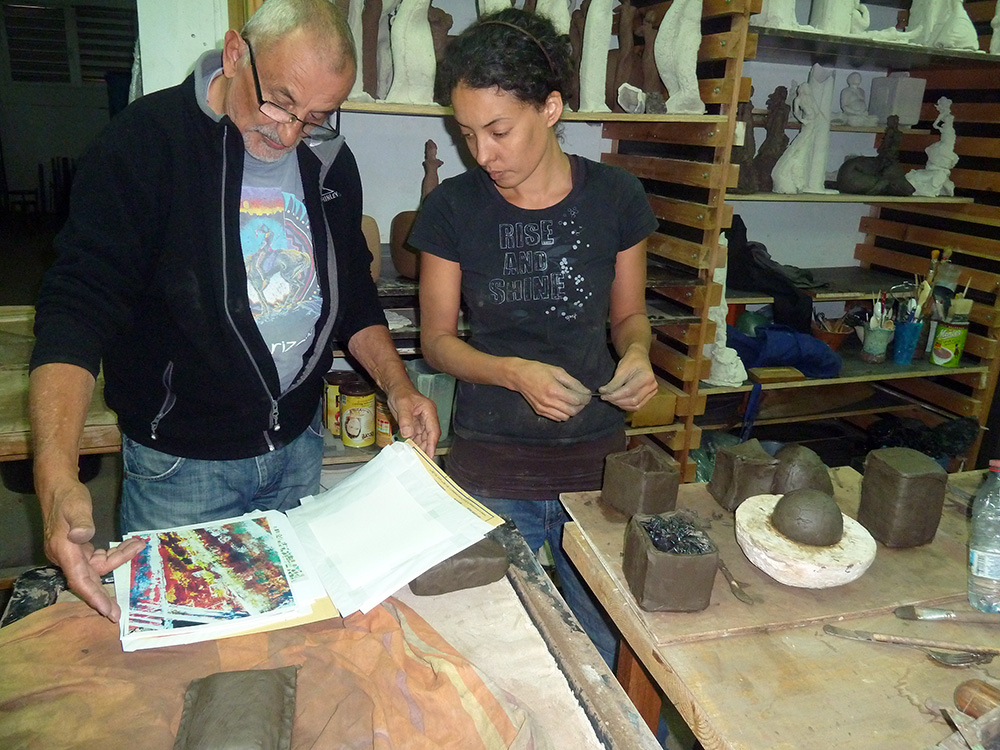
{"x":212,"y":253}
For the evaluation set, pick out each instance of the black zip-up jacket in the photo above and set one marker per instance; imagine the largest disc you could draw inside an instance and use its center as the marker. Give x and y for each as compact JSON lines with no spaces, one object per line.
{"x":150,"y":281}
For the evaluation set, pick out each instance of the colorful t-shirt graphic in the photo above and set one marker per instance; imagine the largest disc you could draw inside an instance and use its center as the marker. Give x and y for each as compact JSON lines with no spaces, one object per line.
{"x":281,"y":275}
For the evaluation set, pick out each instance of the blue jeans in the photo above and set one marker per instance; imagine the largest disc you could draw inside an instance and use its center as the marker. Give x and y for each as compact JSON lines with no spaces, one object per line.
{"x":540,"y":521}
{"x":160,"y":490}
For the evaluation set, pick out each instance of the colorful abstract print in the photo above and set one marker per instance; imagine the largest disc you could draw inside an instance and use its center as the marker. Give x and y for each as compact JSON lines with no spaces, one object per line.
{"x":197,"y":576}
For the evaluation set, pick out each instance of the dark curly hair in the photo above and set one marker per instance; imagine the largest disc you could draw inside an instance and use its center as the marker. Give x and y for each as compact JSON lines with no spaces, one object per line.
{"x":519,"y":52}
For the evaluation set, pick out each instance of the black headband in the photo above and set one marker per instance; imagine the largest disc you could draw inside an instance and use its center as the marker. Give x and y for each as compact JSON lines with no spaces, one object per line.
{"x":528,"y":34}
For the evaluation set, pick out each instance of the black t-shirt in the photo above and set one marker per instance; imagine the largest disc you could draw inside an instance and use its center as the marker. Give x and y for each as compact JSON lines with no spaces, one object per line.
{"x":536,"y":284}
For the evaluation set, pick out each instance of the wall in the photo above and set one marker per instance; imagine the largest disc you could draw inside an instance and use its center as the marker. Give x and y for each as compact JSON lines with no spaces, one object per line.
{"x":173,"y":35}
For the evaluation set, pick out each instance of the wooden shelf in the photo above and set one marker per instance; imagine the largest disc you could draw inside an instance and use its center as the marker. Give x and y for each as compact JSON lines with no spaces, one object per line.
{"x":760,"y":115}
{"x":856,"y":371}
{"x":841,"y":283}
{"x":843,"y":198}
{"x":800,"y":47}
{"x":435,"y":110}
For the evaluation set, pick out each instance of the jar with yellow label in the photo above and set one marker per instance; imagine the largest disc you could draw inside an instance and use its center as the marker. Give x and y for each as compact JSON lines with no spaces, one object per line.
{"x":331,"y":398}
{"x":357,"y":414}
{"x":384,"y":423}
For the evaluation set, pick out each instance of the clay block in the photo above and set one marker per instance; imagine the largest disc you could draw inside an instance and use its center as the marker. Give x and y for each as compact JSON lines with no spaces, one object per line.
{"x":666,"y":581}
{"x":800,"y":468}
{"x":482,"y":563}
{"x":741,"y":471}
{"x":902,"y":495}
{"x":641,"y":480}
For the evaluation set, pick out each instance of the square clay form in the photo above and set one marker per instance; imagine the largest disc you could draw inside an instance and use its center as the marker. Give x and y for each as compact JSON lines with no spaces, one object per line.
{"x":641,"y":480}
{"x":667,"y":581}
{"x":741,"y":471}
{"x":902,"y":495}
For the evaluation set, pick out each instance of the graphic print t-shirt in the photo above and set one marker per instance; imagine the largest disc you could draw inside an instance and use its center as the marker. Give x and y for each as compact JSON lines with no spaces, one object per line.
{"x":536,"y":284}
{"x":278,"y":253}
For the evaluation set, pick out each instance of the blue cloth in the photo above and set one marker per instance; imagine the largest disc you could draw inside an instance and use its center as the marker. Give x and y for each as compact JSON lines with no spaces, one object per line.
{"x":160,"y":491}
{"x":543,"y":520}
{"x":780,"y":346}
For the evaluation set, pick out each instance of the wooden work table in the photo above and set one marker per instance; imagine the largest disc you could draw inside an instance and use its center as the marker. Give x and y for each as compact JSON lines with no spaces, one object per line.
{"x":765,"y":676}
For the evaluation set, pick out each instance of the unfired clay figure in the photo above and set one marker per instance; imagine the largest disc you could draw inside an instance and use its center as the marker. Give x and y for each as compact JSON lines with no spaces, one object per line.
{"x":802,"y":168}
{"x":441,"y":23}
{"x":743,"y":155}
{"x":628,"y":63}
{"x":854,"y":104}
{"x":676,"y":52}
{"x":413,"y":64}
{"x":650,"y":76}
{"x":876,"y":175}
{"x":933,"y":180}
{"x":556,"y":11}
{"x":577,"y":21}
{"x":431,"y":166}
{"x":594,"y":60}
{"x":776,"y":140}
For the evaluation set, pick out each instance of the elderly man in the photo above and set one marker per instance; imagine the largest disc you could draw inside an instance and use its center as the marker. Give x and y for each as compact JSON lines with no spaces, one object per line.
{"x":212,"y":253}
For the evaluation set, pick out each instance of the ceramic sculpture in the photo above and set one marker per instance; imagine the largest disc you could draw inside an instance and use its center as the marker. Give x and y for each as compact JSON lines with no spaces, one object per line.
{"x":355,"y":22}
{"x":676,"y":54}
{"x":877,"y":175}
{"x":628,"y":63}
{"x":933,"y":180}
{"x":441,"y":23}
{"x":802,"y":168}
{"x":594,"y":59}
{"x":556,"y":11}
{"x":413,"y":63}
{"x":854,"y":104}
{"x":650,"y":76}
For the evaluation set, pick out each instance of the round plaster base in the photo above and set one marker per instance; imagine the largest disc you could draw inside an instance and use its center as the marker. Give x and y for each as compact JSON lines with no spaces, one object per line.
{"x":797,"y":564}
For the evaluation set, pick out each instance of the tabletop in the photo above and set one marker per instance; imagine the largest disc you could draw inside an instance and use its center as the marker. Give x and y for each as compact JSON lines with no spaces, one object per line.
{"x":765,"y":676}
{"x":100,"y":435}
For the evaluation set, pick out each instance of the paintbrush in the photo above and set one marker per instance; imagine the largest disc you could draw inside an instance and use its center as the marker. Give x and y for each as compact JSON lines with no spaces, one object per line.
{"x":927,"y":613}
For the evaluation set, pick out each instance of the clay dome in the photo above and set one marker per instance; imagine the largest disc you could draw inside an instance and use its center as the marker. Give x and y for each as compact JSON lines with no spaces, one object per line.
{"x":809,"y":516}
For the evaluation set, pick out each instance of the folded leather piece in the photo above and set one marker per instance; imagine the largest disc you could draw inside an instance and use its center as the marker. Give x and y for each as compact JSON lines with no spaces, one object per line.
{"x":247,"y":710}
{"x":484,"y":562}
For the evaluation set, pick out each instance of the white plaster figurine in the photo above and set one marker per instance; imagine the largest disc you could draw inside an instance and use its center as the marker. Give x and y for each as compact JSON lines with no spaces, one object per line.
{"x":413,"y":63}
{"x":854,"y":104}
{"x":556,"y":11}
{"x":942,"y":24}
{"x":934,"y":179}
{"x":802,"y":167}
{"x":727,"y":367}
{"x":995,"y":38}
{"x":676,"y":55}
{"x":777,"y":14}
{"x":832,"y":16}
{"x":491,"y":6}
{"x":383,"y":57}
{"x":594,"y":62}
{"x":358,"y":94}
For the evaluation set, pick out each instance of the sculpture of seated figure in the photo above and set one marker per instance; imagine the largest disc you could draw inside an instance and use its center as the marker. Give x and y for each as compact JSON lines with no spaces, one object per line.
{"x":934,"y":179}
{"x":876,"y":175}
{"x":854,"y":104}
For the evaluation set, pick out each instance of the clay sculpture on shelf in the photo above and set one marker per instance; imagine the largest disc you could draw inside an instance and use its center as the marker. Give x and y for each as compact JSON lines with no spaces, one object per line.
{"x":877,"y":175}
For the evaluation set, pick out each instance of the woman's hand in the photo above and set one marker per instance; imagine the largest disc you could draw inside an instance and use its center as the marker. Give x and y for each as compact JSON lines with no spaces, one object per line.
{"x":633,"y":383}
{"x":551,"y":391}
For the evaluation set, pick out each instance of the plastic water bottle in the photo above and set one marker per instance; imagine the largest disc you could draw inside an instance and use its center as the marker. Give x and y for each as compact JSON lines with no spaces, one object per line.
{"x":984,"y":544}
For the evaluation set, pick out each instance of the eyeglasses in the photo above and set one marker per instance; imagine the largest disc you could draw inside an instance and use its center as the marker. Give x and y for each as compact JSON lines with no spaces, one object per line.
{"x":314,"y":130}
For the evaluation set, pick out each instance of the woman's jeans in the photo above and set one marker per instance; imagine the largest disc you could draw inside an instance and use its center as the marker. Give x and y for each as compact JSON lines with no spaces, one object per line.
{"x":160,"y":491}
{"x":540,"y":521}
